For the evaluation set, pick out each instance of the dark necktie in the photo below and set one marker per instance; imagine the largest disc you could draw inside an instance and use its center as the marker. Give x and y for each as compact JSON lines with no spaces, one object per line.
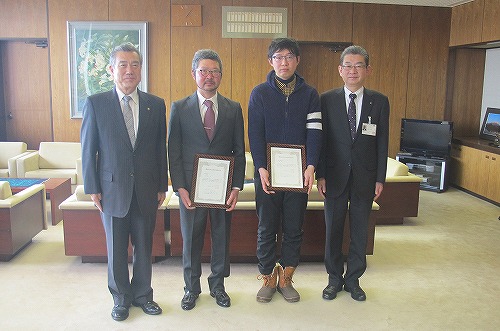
{"x":128,"y":116}
{"x":351,"y":113}
{"x":209,"y":120}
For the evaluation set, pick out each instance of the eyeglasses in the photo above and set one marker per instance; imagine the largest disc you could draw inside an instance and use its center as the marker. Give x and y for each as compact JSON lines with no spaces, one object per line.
{"x":205,"y":72}
{"x":279,"y":58}
{"x":348,"y":67}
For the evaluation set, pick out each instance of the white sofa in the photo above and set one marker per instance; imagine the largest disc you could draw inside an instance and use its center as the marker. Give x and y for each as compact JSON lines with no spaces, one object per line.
{"x":52,"y":160}
{"x":9,"y":152}
{"x":22,"y":216}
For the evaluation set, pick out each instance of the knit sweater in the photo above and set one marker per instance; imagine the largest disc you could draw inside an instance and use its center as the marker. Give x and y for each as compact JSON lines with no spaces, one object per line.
{"x":276,"y":118}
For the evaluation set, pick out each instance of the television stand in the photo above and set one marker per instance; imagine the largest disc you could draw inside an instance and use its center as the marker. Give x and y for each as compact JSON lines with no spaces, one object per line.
{"x":432,"y":170}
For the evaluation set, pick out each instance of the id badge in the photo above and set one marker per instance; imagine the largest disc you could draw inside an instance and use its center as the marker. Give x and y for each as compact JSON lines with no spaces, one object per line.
{"x":369,"y":128}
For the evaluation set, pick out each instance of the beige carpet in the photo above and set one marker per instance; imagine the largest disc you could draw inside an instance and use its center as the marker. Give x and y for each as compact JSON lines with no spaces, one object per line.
{"x":438,"y":271}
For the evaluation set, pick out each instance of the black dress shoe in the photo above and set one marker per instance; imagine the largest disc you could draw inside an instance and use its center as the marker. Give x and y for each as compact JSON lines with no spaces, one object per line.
{"x":330,"y":292}
{"x":150,"y":307}
{"x":189,"y":300}
{"x":221,"y":298}
{"x":119,"y":313}
{"x":357,"y":293}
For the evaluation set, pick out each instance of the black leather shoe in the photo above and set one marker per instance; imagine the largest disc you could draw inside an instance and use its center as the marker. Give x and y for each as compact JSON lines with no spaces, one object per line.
{"x":119,"y":313}
{"x":330,"y":292}
{"x":221,"y":298}
{"x":150,"y":307}
{"x":357,"y":293}
{"x":189,"y":300}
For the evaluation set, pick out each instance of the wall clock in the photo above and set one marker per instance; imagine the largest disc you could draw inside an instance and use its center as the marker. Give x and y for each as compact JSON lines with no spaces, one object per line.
{"x":186,"y":15}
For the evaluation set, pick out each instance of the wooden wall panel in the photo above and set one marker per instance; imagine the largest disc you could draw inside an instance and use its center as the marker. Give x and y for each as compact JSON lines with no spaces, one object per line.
{"x":65,"y":128}
{"x":467,"y":23}
{"x":467,"y":85}
{"x":428,"y":63}
{"x":249,"y":59}
{"x":491,"y":23}
{"x":385,"y":34}
{"x":23,"y":19}
{"x":322,"y":21}
{"x":157,"y":14}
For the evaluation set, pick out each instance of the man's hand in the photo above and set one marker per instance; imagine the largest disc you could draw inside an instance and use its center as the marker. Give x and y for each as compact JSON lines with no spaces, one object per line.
{"x":184,"y":195}
{"x":233,"y":198}
{"x":378,"y":190}
{"x":161,"y":198}
{"x":97,"y":200}
{"x":321,"y":187}
{"x":264,"y":180}
{"x":309,"y":178}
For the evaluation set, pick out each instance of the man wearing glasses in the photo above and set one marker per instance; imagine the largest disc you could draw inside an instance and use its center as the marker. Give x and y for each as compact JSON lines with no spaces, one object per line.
{"x":285,"y":110}
{"x":205,"y":123}
{"x":352,"y":168}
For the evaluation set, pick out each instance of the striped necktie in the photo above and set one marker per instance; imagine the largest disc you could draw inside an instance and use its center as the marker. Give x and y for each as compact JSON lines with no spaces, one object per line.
{"x":128,"y":116}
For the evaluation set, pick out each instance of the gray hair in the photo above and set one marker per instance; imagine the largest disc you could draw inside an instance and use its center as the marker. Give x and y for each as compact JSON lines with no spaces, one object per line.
{"x":205,"y":54}
{"x":355,"y":50}
{"x":125,"y":47}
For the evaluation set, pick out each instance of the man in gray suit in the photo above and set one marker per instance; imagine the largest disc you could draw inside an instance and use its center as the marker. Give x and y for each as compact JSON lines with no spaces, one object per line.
{"x":205,"y":123}
{"x":123,"y":137}
{"x":352,"y":168}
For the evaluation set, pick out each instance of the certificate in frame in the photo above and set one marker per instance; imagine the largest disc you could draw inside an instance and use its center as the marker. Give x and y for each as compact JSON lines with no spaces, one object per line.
{"x":212,"y":180}
{"x":286,"y":165}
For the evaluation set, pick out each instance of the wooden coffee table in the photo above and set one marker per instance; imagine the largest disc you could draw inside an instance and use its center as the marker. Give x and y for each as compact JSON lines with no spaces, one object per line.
{"x":57,"y":189}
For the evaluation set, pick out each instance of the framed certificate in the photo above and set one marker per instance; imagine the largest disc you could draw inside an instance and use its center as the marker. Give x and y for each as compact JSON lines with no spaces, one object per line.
{"x":212,"y":180}
{"x":286,"y":165}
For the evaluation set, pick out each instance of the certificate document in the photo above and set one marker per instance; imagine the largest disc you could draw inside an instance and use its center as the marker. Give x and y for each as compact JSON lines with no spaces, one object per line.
{"x":212,"y":179}
{"x":286,"y":166}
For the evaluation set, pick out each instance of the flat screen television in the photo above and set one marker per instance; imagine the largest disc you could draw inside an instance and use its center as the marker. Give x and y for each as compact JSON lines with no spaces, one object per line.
{"x":426,"y":138}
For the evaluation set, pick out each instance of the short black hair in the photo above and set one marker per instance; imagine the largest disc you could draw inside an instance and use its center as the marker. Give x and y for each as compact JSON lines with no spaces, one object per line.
{"x":280,"y":44}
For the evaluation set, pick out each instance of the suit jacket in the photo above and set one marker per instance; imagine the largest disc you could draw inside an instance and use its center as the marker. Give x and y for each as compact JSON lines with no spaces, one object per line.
{"x":111,"y":166}
{"x":187,"y":137}
{"x":366,"y":156}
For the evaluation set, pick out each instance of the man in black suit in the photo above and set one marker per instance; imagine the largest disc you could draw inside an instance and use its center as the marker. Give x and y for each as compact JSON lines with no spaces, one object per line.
{"x":124,"y":163}
{"x":352,"y":168}
{"x":205,"y":123}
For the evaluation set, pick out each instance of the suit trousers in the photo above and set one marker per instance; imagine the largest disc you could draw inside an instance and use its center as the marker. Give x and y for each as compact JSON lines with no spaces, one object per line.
{"x":335,"y":213}
{"x":193,"y":226}
{"x":281,"y":208}
{"x":139,"y":229}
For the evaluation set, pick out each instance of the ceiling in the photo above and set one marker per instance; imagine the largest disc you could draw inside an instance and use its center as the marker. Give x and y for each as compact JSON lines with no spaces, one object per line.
{"x":429,"y":3}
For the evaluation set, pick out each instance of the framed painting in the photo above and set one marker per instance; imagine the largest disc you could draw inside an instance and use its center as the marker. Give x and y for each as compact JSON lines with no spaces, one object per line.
{"x":490,"y":129}
{"x":89,"y":47}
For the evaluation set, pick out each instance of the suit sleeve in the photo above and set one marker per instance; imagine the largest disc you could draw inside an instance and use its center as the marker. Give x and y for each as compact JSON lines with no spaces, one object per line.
{"x":383,"y":141}
{"x":175,"y":149}
{"x":89,"y":138}
{"x":162,"y":152}
{"x":239,"y":150}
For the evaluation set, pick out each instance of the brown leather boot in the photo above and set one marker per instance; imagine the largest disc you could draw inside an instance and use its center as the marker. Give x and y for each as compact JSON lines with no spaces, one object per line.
{"x":267,"y":290}
{"x":285,"y":286}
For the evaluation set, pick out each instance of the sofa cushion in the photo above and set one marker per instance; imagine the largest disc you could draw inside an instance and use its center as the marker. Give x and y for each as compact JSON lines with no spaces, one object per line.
{"x":249,"y":168}
{"x":5,"y":191}
{"x":9,"y":149}
{"x":396,"y":168}
{"x":59,"y":155}
{"x":81,"y":195}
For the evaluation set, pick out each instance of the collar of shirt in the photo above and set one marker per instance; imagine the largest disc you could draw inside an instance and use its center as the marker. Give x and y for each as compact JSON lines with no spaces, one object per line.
{"x":358,"y":101}
{"x":203,"y":108}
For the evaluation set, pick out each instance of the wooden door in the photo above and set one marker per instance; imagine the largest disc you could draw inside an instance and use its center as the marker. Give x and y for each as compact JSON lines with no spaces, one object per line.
{"x":26,"y":86}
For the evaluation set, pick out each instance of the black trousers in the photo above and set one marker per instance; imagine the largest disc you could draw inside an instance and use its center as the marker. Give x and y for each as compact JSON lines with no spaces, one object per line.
{"x":335,"y":213}
{"x":139,"y":229}
{"x":282,"y":208}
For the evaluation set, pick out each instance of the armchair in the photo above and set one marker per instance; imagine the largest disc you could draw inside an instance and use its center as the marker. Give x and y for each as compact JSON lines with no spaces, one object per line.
{"x":9,"y":153}
{"x":22,"y":216}
{"x":52,"y":160}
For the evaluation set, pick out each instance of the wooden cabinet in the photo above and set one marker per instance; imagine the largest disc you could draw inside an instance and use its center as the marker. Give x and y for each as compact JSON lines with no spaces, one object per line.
{"x":476,"y":170}
{"x":475,"y":22}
